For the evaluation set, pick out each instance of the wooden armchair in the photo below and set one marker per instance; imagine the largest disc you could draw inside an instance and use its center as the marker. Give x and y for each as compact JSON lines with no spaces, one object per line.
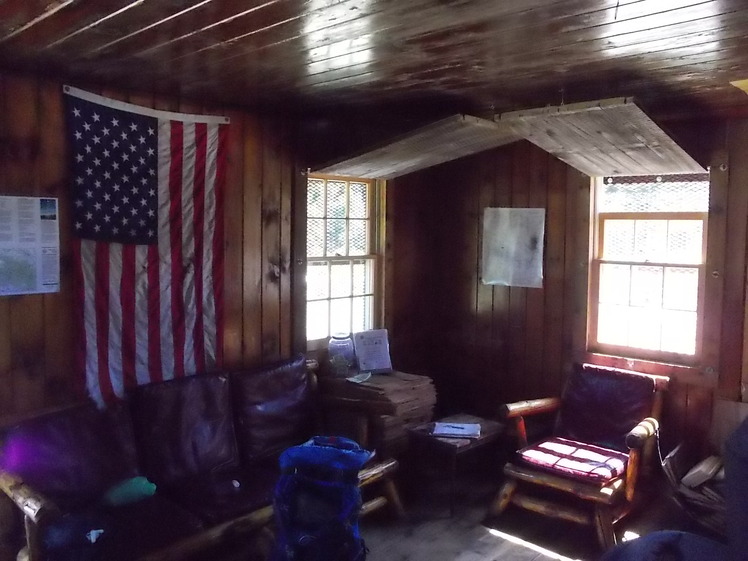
{"x":592,"y":461}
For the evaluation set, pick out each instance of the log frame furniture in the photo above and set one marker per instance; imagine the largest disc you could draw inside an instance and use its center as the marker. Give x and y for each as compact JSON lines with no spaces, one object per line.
{"x":260,"y":412}
{"x":599,"y":501}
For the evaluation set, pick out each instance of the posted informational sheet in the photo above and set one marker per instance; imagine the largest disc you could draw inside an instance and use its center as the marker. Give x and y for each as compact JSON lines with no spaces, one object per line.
{"x":29,"y":245}
{"x":513,"y":246}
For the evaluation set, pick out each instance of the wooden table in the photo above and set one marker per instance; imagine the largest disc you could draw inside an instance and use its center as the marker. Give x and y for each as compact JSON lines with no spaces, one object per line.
{"x":453,"y":448}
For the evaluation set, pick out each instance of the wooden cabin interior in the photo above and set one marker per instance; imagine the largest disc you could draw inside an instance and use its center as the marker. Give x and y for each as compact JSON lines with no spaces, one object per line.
{"x":310,"y":85}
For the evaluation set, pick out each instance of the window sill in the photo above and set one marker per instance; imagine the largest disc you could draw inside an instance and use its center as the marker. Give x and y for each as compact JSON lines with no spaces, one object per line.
{"x":692,"y":375}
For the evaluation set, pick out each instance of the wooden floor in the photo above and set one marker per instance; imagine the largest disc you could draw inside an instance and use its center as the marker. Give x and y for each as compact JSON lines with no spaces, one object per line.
{"x":430,"y":534}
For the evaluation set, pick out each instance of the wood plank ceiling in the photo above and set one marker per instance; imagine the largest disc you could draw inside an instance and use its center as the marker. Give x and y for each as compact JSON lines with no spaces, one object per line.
{"x":470,"y":55}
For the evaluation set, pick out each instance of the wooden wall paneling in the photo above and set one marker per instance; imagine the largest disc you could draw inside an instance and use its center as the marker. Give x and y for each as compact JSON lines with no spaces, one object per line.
{"x":271,"y":239}
{"x":674,"y":415}
{"x":22,"y":178}
{"x":535,"y":312}
{"x":579,"y":272}
{"x":714,"y":285}
{"x":517,"y":367}
{"x":233,"y":318}
{"x":733,"y":304}
{"x":487,"y":396}
{"x":553,"y":356}
{"x":402,"y":253}
{"x":501,"y":328}
{"x":58,"y":307}
{"x":298,"y":265}
{"x":699,"y":416}
{"x":252,"y":265}
{"x":286,"y":243}
{"x":6,"y":380}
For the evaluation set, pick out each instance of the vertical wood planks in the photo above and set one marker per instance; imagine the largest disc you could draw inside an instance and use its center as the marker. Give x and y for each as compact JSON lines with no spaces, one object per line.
{"x":252,"y":264}
{"x":554,"y":277}
{"x":58,"y":337}
{"x":6,"y":379}
{"x":22,"y":178}
{"x":285,"y":265}
{"x":233,"y":317}
{"x":518,"y":381}
{"x":715,"y":262}
{"x":535,"y":305}
{"x":271,"y":240}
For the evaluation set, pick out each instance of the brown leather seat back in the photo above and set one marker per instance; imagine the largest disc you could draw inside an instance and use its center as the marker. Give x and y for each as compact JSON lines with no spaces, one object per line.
{"x":601,"y":405}
{"x":73,"y":455}
{"x":184,"y":427}
{"x":273,"y":408}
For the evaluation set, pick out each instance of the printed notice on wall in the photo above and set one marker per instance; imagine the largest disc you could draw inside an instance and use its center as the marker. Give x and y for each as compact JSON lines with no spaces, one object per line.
{"x":513,"y":246}
{"x":29,"y":245}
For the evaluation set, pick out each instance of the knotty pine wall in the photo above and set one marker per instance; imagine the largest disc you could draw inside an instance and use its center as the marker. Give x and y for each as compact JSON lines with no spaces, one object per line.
{"x":488,"y":345}
{"x":36,"y":331}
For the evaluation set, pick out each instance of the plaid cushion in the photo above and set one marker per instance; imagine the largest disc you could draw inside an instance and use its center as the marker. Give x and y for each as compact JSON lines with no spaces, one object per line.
{"x":576,"y":459}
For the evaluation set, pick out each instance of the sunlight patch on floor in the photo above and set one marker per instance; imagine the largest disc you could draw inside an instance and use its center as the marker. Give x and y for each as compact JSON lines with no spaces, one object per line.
{"x":529,"y":545}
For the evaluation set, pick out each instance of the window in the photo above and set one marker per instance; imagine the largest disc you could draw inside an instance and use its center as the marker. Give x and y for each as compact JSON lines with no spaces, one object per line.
{"x":341,"y":257}
{"x":647,"y":271}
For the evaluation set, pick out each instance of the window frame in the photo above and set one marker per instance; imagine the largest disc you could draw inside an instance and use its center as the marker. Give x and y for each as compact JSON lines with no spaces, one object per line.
{"x":375,"y":211}
{"x":597,"y":260}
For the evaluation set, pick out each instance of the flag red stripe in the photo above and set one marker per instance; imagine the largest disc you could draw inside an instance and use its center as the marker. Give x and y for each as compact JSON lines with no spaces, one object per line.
{"x":101,"y":295}
{"x":218,"y":238}
{"x":175,"y":238}
{"x":127,"y":302}
{"x":154,"y":316}
{"x":201,"y":142}
{"x":79,"y":315}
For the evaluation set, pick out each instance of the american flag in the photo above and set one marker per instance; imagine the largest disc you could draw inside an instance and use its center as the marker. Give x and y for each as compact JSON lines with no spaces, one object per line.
{"x":148,"y":252}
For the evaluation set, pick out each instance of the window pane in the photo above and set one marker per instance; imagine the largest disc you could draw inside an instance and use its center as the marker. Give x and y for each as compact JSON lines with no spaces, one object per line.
{"x":650,"y":240}
{"x":646,"y":286}
{"x":315,"y":198}
{"x":317,"y":280}
{"x":315,"y":238}
{"x":358,"y":242}
{"x":613,"y":324}
{"x":618,"y":240}
{"x":681,"y":289}
{"x":362,"y":283}
{"x":644,"y":328}
{"x":340,"y":315}
{"x":666,"y":193}
{"x":340,"y":279}
{"x":336,"y":199}
{"x":362,"y":313}
{"x":357,"y":201}
{"x":316,"y":320}
{"x":684,"y":241}
{"x":615,"y":284}
{"x":335,"y":238}
{"x":679,"y":332}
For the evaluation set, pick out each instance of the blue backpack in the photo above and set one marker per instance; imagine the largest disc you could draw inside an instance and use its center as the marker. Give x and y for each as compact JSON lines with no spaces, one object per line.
{"x":317,"y":501}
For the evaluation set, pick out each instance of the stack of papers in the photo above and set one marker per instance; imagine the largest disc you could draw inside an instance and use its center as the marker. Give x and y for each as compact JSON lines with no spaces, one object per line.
{"x":456,"y":430}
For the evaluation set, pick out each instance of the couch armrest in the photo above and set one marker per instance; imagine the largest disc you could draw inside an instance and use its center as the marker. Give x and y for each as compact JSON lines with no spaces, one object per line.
{"x":638,"y":436}
{"x":529,"y":407}
{"x":33,"y":504}
{"x":517,"y":411}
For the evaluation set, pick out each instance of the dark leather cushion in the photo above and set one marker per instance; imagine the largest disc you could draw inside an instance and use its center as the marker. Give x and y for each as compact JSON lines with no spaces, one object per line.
{"x":184,"y":427}
{"x":601,"y":405}
{"x":273,"y":408}
{"x":576,"y":459}
{"x":127,"y":531}
{"x":220,"y":496}
{"x":73,"y":455}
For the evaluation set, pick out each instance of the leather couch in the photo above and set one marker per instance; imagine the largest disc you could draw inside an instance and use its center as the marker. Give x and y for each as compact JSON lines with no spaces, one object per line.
{"x":209,"y":443}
